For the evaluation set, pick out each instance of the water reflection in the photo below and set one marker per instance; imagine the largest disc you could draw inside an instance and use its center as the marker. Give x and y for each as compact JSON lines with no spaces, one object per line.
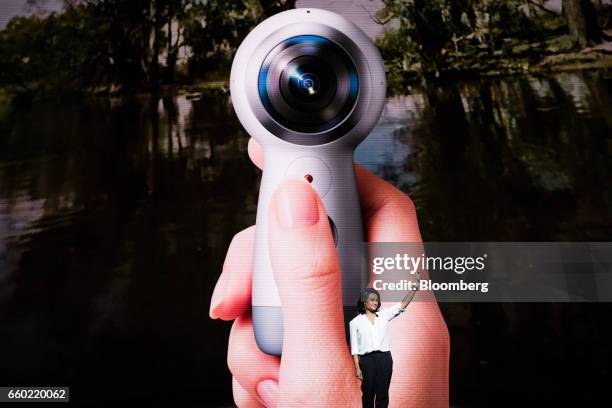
{"x":115,"y":214}
{"x":386,"y":150}
{"x":523,"y":158}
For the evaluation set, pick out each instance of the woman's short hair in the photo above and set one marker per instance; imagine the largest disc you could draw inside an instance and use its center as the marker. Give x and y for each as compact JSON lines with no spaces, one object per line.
{"x":364,"y":296}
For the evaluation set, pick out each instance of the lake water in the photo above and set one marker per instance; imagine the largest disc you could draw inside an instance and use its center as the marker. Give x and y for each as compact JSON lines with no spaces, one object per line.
{"x":115,"y":215}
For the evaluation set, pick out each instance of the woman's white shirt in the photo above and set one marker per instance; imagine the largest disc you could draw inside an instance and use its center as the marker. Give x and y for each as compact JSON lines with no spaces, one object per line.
{"x":367,"y":337}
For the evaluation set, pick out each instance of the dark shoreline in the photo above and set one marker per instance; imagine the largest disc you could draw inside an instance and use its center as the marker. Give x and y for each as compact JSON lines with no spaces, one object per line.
{"x":397,"y":83}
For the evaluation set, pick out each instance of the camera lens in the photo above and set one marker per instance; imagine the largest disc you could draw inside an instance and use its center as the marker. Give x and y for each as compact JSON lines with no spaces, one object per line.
{"x":308,"y":84}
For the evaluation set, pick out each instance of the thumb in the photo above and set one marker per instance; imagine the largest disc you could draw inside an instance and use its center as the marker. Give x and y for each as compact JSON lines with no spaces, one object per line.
{"x":307,"y":274}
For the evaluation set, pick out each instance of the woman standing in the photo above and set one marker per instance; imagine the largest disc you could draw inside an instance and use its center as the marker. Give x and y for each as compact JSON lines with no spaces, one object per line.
{"x":370,"y":346}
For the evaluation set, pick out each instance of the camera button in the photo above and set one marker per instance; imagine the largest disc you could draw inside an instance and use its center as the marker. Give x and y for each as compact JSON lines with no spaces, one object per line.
{"x":314,"y":171}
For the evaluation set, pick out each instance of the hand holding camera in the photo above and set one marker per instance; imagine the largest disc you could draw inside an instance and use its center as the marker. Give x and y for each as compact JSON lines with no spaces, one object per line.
{"x":309,"y":86}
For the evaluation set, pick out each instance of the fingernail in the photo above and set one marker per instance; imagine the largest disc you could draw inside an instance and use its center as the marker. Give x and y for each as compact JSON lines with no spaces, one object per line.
{"x":297,"y":205}
{"x":268,"y":392}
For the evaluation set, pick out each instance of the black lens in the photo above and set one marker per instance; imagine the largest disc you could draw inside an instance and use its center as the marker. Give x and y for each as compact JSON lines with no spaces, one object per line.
{"x":308,"y":84}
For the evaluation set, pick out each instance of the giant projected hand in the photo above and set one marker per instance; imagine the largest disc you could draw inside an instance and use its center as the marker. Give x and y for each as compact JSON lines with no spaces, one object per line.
{"x":316,"y":368}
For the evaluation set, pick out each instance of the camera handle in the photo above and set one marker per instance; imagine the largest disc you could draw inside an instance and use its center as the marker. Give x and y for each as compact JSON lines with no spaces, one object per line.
{"x":330,"y":170}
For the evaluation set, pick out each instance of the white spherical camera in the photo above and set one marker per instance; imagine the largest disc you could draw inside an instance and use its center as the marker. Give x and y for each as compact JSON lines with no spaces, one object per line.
{"x":309,"y":86}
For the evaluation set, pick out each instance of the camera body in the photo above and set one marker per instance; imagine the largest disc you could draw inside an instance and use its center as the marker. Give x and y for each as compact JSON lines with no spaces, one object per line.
{"x":309,"y":86}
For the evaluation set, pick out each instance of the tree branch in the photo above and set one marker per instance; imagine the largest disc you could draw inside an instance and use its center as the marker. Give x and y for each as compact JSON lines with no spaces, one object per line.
{"x":377,"y":20}
{"x":542,"y":7}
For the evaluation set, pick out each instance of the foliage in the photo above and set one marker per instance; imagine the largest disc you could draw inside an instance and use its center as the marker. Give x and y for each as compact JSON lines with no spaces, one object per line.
{"x":48,"y":55}
{"x":432,"y":36}
{"x":214,"y":29}
{"x":104,"y":45}
{"x":122,"y":45}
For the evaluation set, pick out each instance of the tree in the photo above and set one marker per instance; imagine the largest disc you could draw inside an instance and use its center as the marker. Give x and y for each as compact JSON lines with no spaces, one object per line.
{"x":582,"y":22}
{"x":271,"y":7}
{"x":424,"y":30}
{"x":124,"y":45}
{"x":55,"y":55}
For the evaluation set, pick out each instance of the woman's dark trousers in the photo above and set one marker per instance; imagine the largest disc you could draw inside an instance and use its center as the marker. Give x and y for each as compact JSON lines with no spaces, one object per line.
{"x":376,"y":368}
